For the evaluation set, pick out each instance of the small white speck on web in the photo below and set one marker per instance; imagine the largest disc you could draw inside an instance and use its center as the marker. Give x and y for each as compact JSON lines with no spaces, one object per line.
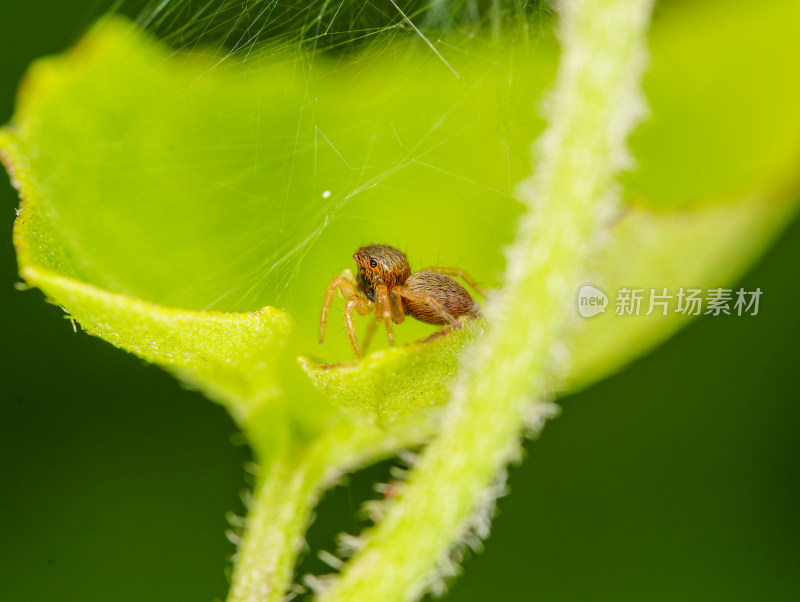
{"x":326,"y":194}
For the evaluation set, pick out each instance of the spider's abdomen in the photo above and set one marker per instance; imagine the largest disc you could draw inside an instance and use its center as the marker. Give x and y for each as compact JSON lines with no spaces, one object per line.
{"x":450,"y":294}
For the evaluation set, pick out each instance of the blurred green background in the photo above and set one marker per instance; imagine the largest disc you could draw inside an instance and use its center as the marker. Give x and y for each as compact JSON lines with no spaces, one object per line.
{"x":675,"y":479}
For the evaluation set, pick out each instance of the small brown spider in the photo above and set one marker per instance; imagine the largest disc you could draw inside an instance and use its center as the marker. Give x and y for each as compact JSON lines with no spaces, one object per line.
{"x":386,"y":283}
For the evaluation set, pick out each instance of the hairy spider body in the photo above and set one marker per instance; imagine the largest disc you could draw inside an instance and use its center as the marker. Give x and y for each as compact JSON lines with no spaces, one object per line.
{"x":453,"y":297}
{"x":386,"y":285}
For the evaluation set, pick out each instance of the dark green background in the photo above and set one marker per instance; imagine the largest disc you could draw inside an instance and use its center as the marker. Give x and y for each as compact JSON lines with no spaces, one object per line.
{"x":677,"y":479}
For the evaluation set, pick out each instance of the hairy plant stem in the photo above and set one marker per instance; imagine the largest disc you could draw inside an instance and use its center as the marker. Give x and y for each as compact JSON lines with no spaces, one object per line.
{"x":278,"y":516}
{"x":594,"y":106}
{"x":295,"y":473}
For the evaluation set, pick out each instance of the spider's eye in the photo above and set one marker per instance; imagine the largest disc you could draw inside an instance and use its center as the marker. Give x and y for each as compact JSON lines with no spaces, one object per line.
{"x":373,"y":263}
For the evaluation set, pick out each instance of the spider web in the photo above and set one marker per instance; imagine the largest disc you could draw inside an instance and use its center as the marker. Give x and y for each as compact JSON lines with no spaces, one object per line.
{"x":405,"y":123}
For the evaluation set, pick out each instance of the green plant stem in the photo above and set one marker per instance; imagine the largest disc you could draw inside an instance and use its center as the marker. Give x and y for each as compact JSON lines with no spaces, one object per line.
{"x":594,"y":107}
{"x":295,"y":473}
{"x":278,"y":516}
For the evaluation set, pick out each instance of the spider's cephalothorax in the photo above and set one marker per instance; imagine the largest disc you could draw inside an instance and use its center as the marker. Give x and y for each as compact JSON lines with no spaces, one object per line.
{"x":380,"y":264}
{"x":385,"y":283}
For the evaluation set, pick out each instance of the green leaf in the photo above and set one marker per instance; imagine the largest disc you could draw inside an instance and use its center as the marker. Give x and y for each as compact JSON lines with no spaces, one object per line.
{"x":177,"y":181}
{"x":392,"y":383}
{"x":156,"y":181}
{"x":234,"y":358}
{"x":223,"y":186}
{"x":723,"y":96}
{"x":697,"y":247}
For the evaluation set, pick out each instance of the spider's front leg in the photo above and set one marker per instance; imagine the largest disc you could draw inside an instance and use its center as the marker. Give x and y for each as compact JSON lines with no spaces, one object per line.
{"x":342,"y":285}
{"x":362,"y":306}
{"x":371,"y":326}
{"x":383,"y":310}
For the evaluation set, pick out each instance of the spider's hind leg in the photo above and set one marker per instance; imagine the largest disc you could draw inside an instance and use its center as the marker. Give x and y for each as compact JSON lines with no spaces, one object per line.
{"x":458,"y":273}
{"x":434,"y":312}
